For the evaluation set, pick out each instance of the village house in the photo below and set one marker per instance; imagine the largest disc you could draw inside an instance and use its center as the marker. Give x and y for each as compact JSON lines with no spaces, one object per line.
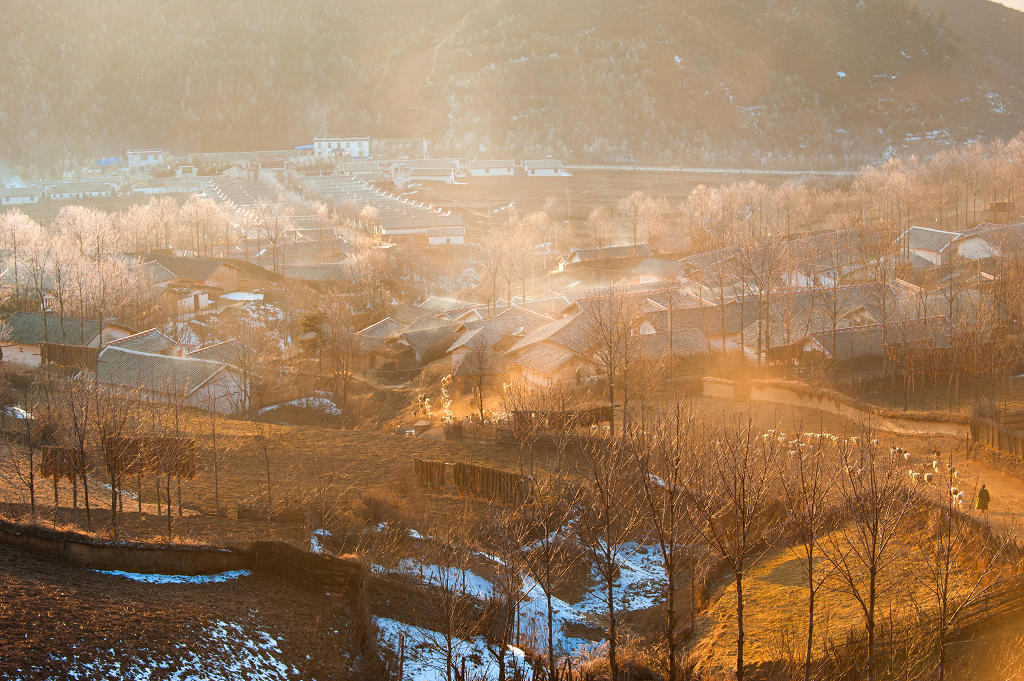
{"x":19,"y":196}
{"x":491,"y":168}
{"x":152,"y":341}
{"x":200,"y":383}
{"x":64,"y":191}
{"x":545,"y":167}
{"x":25,"y":333}
{"x":348,"y":147}
{"x":580,"y":257}
{"x":145,"y":158}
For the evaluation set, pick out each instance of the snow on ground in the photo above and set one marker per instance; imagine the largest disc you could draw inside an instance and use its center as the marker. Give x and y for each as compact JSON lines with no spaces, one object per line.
{"x":243,"y":296}
{"x":176,"y":579}
{"x":639,"y":585}
{"x":315,"y":540}
{"x":469,"y":582}
{"x":227,"y":652}
{"x":425,"y":659}
{"x":320,"y":401}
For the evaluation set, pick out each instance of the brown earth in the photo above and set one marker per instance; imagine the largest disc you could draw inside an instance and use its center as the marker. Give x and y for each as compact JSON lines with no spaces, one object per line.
{"x":55,"y":618}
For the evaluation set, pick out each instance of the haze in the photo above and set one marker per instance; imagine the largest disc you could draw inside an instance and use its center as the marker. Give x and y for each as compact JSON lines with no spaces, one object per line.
{"x":511,"y":340}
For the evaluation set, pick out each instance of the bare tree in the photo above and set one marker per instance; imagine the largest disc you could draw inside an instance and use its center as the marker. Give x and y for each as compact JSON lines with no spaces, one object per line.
{"x":961,"y":558}
{"x":609,"y":328}
{"x":664,"y":447}
{"x":876,"y":504}
{"x":806,"y":485}
{"x":735,"y":506}
{"x":607,"y":521}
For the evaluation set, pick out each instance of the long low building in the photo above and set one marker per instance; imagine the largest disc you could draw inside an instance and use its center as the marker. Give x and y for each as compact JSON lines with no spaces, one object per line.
{"x":201,"y":383}
{"x":24,"y":334}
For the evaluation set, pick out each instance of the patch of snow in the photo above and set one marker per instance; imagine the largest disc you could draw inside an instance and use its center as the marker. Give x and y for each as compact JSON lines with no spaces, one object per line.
{"x":320,"y":402}
{"x":425,"y":658}
{"x":17,"y":413}
{"x":678,"y":59}
{"x":841,"y":74}
{"x":177,"y":579}
{"x":315,"y":543}
{"x":244,"y":296}
{"x":227,"y":652}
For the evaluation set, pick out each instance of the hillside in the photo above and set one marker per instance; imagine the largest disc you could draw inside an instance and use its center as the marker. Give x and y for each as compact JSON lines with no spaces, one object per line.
{"x":829,"y":82}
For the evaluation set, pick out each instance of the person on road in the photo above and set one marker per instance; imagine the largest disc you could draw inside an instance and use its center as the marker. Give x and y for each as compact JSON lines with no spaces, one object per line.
{"x":983,"y":499}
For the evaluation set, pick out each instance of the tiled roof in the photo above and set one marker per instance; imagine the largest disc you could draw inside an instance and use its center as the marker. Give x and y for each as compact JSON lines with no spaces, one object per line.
{"x":928,"y":239}
{"x":227,"y":352}
{"x":607,"y":252}
{"x":485,"y":363}
{"x":196,"y":269}
{"x":145,"y":341}
{"x":543,"y":358}
{"x":314,"y":272}
{"x":165,"y":374}
{"x":430,"y":343}
{"x":33,"y":328}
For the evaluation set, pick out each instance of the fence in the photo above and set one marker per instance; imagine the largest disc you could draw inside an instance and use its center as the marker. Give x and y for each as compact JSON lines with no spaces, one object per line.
{"x":433,"y":474}
{"x":491,"y":483}
{"x":72,"y":356}
{"x":995,"y":436}
{"x":484,"y":482}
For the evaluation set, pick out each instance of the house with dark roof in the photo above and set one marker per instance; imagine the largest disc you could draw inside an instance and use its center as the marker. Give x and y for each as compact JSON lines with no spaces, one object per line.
{"x":201,"y":383}
{"x":927,"y":243}
{"x":581,"y":256}
{"x":152,"y":341}
{"x":228,"y":352}
{"x":23,"y":334}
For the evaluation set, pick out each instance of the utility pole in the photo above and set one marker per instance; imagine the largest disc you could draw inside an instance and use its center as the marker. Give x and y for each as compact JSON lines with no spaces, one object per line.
{"x":568,"y":202}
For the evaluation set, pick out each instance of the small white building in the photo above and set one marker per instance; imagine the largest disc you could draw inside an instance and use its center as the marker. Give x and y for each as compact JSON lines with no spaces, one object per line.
{"x":544,"y":167}
{"x":492,"y":168}
{"x":145,"y":158}
{"x":19,"y":196}
{"x":348,"y":147}
{"x":65,"y":191}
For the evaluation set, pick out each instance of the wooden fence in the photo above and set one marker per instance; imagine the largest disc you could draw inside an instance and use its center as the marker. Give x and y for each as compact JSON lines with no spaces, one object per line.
{"x":484,"y":482}
{"x":995,"y":436}
{"x":491,"y":484}
{"x":433,"y":474}
{"x":71,"y":356}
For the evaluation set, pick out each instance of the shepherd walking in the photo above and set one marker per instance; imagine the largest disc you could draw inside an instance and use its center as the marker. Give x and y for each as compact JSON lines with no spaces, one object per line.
{"x":983,"y":499}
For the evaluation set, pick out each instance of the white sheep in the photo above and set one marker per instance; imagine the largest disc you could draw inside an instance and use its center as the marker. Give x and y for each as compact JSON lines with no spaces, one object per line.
{"x":935,"y":465}
{"x":928,"y":477}
{"x":915,"y":476}
{"x":906,"y":456}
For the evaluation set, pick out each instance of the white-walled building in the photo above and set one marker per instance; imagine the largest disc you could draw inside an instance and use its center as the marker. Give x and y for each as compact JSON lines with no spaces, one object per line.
{"x":349,"y":147}
{"x":200,"y":383}
{"x":19,"y":196}
{"x":145,"y":158}
{"x":492,"y":168}
{"x":25,"y":332}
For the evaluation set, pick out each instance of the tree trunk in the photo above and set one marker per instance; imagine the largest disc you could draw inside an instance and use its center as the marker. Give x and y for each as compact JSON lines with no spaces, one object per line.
{"x":671,"y":621}
{"x":739,"y":626}
{"x":613,"y":663}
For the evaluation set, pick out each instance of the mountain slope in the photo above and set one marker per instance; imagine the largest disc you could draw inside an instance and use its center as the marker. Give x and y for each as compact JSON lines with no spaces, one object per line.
{"x":825,"y":82}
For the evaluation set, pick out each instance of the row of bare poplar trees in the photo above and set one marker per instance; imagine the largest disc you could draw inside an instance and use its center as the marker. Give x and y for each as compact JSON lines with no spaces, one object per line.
{"x":711,"y":497}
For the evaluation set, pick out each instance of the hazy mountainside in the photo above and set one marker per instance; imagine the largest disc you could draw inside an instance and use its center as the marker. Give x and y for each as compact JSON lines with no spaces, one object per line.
{"x":97,"y":76}
{"x":828,"y":82}
{"x":725,"y":80}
